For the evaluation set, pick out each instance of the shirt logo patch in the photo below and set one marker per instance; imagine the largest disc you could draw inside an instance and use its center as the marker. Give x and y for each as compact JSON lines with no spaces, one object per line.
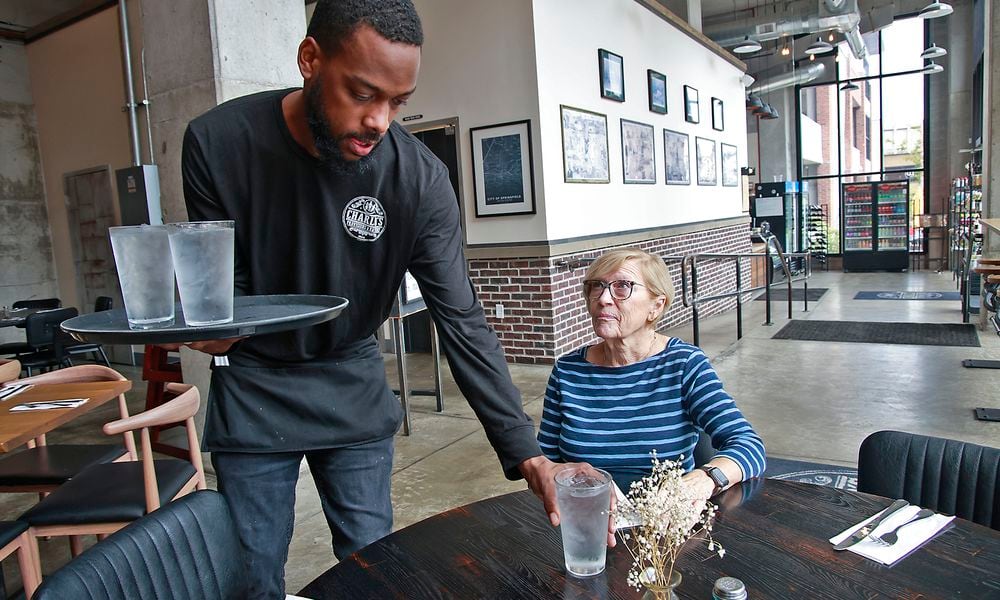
{"x":364,"y":219}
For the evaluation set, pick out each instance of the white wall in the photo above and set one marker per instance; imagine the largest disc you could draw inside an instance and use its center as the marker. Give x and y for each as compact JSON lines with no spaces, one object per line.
{"x":568,"y":34}
{"x":478,"y":65}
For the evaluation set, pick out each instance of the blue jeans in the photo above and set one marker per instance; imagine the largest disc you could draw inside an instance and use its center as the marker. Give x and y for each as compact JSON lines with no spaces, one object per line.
{"x":353,"y":485}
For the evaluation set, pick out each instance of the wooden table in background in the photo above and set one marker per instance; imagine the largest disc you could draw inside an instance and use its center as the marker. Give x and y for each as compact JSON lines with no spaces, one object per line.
{"x":775,"y":534}
{"x":19,"y":427}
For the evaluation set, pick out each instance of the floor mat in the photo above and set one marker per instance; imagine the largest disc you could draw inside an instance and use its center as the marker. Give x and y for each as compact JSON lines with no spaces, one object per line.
{"x":781,"y":294}
{"x":867,"y":332}
{"x":951,"y":296}
{"x":841,"y":478}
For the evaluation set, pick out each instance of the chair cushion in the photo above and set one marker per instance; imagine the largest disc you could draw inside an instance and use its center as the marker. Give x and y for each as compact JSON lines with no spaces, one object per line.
{"x":9,"y":530}
{"x":108,"y":493}
{"x":15,"y":348}
{"x":949,"y":476}
{"x":187,"y":549}
{"x":55,"y":464}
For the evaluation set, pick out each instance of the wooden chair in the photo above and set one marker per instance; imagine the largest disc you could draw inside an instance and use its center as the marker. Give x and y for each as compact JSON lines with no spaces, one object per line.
{"x":106,"y":497}
{"x":43,"y":468}
{"x":9,"y":370}
{"x":14,"y":538}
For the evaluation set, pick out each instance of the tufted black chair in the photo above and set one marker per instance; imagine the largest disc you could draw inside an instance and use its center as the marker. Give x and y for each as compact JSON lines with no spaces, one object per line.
{"x":187,"y":549}
{"x":950,"y":476}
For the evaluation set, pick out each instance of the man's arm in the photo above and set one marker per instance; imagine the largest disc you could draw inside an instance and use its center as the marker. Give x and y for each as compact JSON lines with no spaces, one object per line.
{"x":473,"y":350}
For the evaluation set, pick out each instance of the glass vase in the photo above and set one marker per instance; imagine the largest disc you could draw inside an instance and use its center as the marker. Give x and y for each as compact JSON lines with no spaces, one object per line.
{"x":655,"y":591}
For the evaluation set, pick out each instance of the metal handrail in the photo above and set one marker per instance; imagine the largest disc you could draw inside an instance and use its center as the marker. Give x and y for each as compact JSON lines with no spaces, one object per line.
{"x":770,"y":241}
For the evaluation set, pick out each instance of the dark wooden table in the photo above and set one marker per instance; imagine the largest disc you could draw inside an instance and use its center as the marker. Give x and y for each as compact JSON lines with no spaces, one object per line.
{"x":775,"y":534}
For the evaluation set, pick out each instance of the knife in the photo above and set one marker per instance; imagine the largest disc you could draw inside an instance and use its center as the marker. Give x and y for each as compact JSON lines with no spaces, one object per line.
{"x":864,"y":532}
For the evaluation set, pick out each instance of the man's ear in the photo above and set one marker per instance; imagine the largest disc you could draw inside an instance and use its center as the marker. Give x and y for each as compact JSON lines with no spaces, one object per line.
{"x":309,"y":57}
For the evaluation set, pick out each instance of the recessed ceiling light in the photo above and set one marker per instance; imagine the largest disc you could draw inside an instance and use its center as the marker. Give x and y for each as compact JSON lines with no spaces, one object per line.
{"x":818,"y":47}
{"x":747,"y":46}
{"x":933,"y":51}
{"x":936,"y":9}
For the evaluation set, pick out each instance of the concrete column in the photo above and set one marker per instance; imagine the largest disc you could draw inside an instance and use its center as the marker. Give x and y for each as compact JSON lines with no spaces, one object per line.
{"x":694,"y":14}
{"x":200,"y":53}
{"x":28,"y":267}
{"x":991,"y":114}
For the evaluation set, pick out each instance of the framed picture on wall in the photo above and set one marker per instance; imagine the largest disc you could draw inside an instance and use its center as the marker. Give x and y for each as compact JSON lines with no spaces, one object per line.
{"x":717,"y":122}
{"x":691,"y":109}
{"x":638,"y":153}
{"x":612,"y":69}
{"x":502,"y":169}
{"x":657,"y":83}
{"x":676,"y":158}
{"x":730,"y":166}
{"x":585,"y":146}
{"x":705,"y":159}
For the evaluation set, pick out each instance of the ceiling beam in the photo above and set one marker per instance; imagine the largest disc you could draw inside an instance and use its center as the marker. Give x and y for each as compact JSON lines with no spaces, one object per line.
{"x":84,"y":10}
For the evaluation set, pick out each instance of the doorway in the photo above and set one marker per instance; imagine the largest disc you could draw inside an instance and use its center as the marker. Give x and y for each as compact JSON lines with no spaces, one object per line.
{"x":90,"y":211}
{"x":441,"y":138}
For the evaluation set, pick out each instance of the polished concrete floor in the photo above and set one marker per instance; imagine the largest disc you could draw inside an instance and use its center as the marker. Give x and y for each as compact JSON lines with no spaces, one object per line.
{"x":809,"y":400}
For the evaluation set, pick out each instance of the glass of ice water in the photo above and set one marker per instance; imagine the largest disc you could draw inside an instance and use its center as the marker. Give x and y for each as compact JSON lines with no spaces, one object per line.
{"x":584,"y":497}
{"x":203,"y":254}
{"x":146,"y":274}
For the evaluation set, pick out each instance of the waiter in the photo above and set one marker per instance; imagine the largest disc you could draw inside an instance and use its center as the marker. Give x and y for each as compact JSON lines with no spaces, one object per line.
{"x":330,"y":196}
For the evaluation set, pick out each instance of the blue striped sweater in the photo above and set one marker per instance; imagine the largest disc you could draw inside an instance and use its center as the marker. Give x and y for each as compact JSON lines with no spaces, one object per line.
{"x":614,"y":417}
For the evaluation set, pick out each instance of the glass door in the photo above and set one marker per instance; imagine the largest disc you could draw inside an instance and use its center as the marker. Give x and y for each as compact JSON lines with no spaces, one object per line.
{"x":858,"y":218}
{"x":892,"y":210}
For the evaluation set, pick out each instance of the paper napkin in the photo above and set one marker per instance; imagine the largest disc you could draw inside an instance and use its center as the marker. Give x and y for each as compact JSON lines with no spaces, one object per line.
{"x":13,"y":389}
{"x":50,"y":405}
{"x":910,"y":537}
{"x":625,"y":514}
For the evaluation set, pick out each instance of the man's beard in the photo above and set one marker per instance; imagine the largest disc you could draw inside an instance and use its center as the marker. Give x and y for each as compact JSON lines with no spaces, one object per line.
{"x":328,"y":145}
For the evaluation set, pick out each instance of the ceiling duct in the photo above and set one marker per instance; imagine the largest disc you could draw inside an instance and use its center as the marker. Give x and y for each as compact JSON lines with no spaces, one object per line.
{"x":795,"y":18}
{"x":787,"y":79}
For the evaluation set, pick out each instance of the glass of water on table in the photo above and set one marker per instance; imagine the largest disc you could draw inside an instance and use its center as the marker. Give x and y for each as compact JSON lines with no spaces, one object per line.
{"x":584,"y":497}
{"x":203,"y":259}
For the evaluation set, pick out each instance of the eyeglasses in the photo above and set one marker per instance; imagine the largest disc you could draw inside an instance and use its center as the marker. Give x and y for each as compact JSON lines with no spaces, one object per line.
{"x":620,"y":289}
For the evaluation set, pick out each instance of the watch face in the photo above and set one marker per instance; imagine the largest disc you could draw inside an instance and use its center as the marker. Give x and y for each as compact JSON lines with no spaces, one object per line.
{"x":717,"y":476}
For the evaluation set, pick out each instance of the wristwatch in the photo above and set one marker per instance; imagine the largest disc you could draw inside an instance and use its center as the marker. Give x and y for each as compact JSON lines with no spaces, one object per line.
{"x":718,"y":477}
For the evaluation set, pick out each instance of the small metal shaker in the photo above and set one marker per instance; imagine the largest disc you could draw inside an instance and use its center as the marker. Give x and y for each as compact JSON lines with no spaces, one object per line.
{"x":729,"y":588}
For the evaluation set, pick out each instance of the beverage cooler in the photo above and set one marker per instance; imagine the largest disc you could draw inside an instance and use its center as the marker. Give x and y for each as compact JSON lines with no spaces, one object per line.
{"x":876,"y":230}
{"x":781,"y":205}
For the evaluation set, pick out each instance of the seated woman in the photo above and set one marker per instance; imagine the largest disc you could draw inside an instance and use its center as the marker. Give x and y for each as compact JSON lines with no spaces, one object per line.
{"x":613,"y":403}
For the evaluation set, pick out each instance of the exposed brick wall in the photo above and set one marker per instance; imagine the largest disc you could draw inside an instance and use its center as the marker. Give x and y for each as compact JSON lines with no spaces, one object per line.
{"x":545,"y":315}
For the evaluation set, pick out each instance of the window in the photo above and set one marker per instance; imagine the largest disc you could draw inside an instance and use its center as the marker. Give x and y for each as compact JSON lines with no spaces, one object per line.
{"x":874,"y":133}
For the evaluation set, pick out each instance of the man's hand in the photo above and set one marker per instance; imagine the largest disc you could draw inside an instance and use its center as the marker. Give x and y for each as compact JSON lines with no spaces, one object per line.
{"x":213,"y":347}
{"x":540,"y":473}
{"x":700,"y":484}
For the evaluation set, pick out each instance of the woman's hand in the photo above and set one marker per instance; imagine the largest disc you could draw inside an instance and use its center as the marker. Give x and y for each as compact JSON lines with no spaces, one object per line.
{"x":699,"y":484}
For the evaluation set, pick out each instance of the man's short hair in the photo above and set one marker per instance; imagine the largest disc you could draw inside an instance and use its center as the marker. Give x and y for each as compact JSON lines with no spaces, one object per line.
{"x":334,"y":21}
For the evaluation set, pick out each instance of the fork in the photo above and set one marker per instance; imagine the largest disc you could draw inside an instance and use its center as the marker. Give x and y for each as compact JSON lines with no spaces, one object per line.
{"x":890,"y":538}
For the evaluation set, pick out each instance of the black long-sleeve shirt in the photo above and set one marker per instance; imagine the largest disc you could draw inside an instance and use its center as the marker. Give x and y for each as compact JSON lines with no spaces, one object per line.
{"x":301,"y":229}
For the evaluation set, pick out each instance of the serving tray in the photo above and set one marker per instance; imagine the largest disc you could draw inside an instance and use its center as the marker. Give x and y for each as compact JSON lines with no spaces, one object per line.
{"x":252,"y":315}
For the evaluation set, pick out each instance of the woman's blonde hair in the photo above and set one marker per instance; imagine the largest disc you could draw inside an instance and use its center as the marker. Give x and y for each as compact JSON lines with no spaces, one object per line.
{"x":655,"y":275}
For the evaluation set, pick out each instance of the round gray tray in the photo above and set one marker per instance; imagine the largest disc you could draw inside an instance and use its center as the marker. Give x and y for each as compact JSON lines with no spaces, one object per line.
{"x":252,"y":315}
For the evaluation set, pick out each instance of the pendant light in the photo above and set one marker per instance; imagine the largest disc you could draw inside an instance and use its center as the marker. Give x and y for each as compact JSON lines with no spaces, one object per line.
{"x":931,"y":68}
{"x":747,"y":46}
{"x":818,"y":47}
{"x":933,"y":51}
{"x":754,"y":103}
{"x":936,"y":9}
{"x":850,"y":86}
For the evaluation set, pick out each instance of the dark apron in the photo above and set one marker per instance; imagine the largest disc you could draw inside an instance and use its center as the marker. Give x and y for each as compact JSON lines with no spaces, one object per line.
{"x":308,"y":406}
